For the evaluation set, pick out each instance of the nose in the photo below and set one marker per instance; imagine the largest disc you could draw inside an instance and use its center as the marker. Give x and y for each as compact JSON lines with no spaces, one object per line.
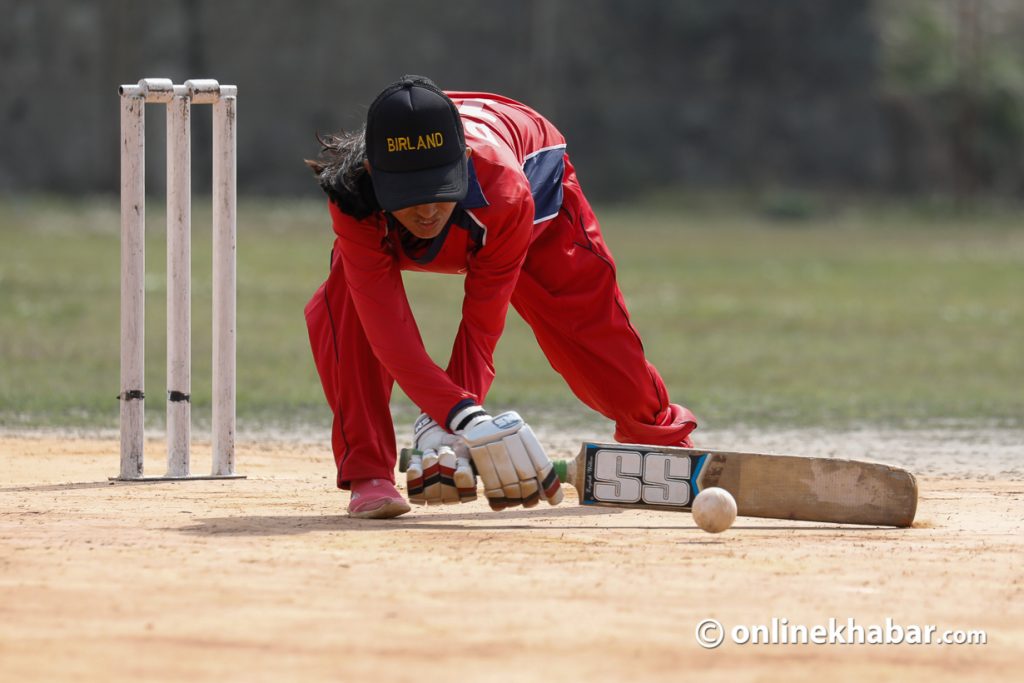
{"x":426,"y":212}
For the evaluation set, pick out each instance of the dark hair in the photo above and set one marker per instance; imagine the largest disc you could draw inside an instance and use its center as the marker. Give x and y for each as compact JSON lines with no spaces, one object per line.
{"x":342,"y":174}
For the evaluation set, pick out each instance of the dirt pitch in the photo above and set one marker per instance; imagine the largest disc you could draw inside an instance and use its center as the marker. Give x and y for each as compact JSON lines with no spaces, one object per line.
{"x":266,"y":580}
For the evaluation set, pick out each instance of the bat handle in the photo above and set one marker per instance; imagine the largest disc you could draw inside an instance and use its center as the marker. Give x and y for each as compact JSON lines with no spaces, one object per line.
{"x":565,"y":470}
{"x":403,"y":459}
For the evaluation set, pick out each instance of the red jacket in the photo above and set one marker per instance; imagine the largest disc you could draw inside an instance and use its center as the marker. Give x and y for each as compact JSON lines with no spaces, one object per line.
{"x":515,"y":177}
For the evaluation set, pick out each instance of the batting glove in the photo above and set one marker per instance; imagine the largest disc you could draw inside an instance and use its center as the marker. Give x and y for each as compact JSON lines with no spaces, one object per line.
{"x":512,"y":463}
{"x":439,"y":469}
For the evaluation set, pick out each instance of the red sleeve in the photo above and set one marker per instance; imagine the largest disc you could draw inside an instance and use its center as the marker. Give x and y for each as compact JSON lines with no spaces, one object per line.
{"x":375,"y":283}
{"x":492,"y":275}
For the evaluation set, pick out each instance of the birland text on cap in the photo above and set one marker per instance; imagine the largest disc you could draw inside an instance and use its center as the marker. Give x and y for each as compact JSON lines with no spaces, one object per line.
{"x":415,"y":145}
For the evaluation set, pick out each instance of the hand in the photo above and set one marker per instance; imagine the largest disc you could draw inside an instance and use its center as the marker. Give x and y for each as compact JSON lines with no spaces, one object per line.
{"x":512,"y":463}
{"x":427,"y":435}
{"x":440,"y":476}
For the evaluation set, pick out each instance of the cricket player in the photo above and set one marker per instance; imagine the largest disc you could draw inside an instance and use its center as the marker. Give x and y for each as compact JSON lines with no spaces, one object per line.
{"x":478,"y":185}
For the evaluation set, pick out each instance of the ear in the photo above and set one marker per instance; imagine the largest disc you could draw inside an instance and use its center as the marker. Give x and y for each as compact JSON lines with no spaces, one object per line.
{"x":366,"y":165}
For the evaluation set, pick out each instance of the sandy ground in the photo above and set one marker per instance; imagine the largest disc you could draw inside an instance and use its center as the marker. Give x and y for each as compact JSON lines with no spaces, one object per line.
{"x":266,"y":579}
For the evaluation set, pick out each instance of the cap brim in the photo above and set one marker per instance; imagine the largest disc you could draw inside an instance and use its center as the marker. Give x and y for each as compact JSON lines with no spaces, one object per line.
{"x":440,"y":184}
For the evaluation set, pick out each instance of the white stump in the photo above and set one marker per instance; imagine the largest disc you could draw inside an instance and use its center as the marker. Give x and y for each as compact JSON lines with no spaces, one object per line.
{"x":224,"y":265}
{"x":179,"y":282}
{"x":133,"y":267}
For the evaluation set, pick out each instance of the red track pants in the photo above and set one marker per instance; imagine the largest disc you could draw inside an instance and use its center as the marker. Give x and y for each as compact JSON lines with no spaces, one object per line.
{"x":568,"y":295}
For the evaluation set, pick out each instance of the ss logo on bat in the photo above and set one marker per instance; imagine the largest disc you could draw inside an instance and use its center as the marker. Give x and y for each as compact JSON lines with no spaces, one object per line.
{"x":622,"y":476}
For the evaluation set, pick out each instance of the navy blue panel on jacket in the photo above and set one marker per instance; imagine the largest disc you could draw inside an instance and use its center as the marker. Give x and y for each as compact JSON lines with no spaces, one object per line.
{"x":544,"y":170}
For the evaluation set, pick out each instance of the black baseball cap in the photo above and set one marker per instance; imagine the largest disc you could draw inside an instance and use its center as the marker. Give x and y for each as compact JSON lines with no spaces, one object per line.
{"x":415,"y":145}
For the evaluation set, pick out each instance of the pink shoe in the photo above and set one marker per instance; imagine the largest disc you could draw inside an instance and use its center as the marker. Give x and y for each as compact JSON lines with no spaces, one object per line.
{"x":376,"y":499}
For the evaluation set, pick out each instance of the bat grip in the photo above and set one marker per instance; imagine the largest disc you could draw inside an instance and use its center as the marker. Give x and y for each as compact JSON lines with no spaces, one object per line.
{"x":565,"y":470}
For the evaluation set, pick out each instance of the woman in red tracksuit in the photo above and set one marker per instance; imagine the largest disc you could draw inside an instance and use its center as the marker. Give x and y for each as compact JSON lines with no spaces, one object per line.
{"x":478,"y":185}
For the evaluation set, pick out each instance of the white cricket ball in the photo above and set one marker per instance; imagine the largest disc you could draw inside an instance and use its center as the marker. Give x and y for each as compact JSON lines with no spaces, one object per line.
{"x":714,"y":510}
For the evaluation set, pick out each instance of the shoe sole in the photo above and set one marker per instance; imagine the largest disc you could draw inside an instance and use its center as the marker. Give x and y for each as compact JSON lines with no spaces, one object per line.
{"x":388,"y":510}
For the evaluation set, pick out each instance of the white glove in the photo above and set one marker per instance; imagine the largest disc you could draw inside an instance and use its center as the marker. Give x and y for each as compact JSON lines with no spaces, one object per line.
{"x":512,"y":463}
{"x":436,"y":477}
{"x":439,"y":469}
{"x":427,"y":435}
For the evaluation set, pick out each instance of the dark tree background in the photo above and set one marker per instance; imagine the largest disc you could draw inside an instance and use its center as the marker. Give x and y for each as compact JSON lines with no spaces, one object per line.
{"x":651,"y":95}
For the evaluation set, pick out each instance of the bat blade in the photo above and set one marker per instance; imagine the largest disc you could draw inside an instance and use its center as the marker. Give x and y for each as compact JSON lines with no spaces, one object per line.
{"x":772,"y":486}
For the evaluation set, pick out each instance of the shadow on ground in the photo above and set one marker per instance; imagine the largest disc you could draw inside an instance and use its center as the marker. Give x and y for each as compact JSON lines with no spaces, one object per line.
{"x":285,"y":525}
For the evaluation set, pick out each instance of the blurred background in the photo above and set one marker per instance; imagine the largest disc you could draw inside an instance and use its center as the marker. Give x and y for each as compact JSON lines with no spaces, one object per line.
{"x":815,"y":205}
{"x":904,"y":96}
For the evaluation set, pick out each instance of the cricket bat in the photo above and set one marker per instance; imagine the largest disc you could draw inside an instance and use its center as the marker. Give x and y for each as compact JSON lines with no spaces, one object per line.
{"x":774,"y":486}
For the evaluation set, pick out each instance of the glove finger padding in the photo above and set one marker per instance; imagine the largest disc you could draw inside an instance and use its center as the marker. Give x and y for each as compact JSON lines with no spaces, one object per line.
{"x":528,"y":487}
{"x":414,"y":478}
{"x":465,"y":478}
{"x":550,"y":487}
{"x":446,"y":475}
{"x":439,"y":477}
{"x":494,"y":487}
{"x":431,"y":477}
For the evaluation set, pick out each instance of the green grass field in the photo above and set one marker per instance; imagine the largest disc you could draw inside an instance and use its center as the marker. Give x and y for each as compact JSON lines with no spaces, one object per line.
{"x":886,"y":315}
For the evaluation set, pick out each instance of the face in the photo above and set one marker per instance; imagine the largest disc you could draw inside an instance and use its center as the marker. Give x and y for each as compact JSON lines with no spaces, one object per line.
{"x":425,"y":220}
